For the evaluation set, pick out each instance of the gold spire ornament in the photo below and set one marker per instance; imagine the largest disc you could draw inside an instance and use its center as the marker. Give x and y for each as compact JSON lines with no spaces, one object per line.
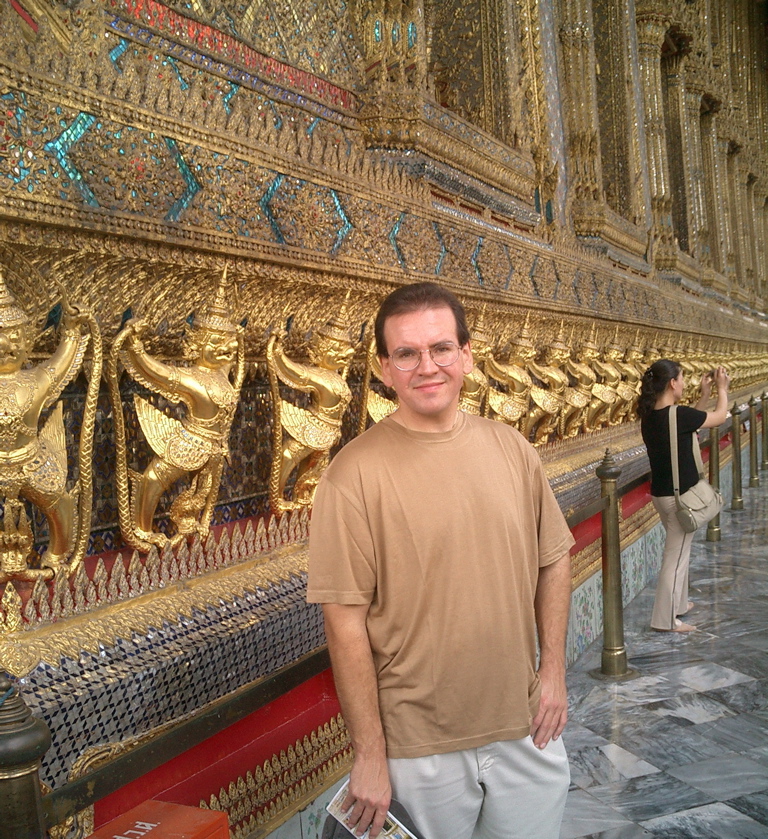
{"x":196,"y":445}
{"x":33,"y":463}
{"x":303,"y":437}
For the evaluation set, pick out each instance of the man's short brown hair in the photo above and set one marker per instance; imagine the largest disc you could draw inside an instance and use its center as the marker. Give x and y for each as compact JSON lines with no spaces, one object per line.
{"x":414,"y":298}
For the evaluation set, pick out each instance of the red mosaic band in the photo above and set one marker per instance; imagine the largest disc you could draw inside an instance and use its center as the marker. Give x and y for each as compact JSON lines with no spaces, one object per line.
{"x":212,"y":41}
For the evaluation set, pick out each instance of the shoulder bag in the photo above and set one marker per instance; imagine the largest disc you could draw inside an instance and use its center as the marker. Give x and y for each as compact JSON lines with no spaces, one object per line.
{"x":701,"y":503}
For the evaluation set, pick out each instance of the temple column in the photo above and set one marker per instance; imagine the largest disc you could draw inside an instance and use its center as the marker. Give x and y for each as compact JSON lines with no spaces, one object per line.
{"x":723,"y":190}
{"x":577,"y":38}
{"x":714,"y":211}
{"x":696,"y":203}
{"x":650,"y":35}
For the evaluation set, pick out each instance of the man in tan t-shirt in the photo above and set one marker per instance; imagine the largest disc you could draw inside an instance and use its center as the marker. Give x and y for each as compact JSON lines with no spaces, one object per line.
{"x":440,"y":556}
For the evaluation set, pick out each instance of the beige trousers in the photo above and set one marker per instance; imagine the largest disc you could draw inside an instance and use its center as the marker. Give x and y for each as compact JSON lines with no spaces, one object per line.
{"x":672,"y":587}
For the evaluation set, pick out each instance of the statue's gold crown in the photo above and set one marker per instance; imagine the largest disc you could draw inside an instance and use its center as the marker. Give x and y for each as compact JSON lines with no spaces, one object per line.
{"x":216,"y":316}
{"x":524,"y":338}
{"x":559,"y":342}
{"x":337,"y":328}
{"x":479,"y":329}
{"x":11,"y":314}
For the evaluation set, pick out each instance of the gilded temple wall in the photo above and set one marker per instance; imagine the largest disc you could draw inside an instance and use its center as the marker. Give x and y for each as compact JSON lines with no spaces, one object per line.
{"x":597,"y":165}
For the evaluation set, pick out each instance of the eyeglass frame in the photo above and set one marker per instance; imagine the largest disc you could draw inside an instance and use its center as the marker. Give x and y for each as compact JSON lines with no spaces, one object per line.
{"x":429,"y":350}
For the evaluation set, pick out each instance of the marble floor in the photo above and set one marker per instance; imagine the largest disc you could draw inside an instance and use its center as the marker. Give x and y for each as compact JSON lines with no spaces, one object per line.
{"x":681,"y":751}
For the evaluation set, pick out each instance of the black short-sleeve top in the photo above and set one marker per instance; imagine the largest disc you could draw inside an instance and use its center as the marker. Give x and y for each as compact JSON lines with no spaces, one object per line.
{"x":655,"y":431}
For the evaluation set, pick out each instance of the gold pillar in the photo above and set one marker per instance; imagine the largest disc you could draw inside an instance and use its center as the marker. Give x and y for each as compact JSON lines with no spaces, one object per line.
{"x":651,"y":29}
{"x":754,"y":478}
{"x":698,"y":227}
{"x":764,"y":423}
{"x":737,"y":500}
{"x":614,"y":658}
{"x":713,"y":527}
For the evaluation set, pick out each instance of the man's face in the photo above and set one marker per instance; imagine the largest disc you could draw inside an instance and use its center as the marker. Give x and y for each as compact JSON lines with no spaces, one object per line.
{"x":429,"y":395}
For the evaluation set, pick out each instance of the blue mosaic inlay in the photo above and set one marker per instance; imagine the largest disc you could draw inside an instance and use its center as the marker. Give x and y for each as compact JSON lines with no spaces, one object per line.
{"x":193,"y":187}
{"x":346,"y":224}
{"x":264,"y":203}
{"x":475,"y":263}
{"x":393,"y":240}
{"x":60,"y":148}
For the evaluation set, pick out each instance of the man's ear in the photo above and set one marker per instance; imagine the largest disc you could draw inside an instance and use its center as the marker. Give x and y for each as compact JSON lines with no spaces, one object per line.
{"x":467,"y":361}
{"x":386,"y":370}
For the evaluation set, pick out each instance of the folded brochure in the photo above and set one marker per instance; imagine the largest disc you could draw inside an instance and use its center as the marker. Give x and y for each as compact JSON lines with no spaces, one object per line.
{"x":393,"y":829}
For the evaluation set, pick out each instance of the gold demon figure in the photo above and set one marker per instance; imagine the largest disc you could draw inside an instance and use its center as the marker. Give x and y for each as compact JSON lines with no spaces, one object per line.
{"x":375,"y":405}
{"x":196,"y":445}
{"x":33,"y":464}
{"x":310,"y":433}
{"x":511,"y":406}
{"x":475,"y":387}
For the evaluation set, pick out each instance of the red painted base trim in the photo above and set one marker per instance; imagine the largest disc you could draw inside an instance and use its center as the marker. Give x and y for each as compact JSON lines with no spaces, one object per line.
{"x":212,"y":764}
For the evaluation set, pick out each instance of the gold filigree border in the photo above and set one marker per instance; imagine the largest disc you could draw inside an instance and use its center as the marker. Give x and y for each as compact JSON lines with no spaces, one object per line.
{"x":21,"y":652}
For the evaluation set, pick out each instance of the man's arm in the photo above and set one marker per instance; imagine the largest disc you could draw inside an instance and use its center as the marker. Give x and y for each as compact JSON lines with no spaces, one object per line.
{"x":552,"y":603}
{"x":357,"y":687}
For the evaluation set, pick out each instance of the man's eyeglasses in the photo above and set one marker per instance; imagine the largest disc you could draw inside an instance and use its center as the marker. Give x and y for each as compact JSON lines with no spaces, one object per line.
{"x":443,"y":354}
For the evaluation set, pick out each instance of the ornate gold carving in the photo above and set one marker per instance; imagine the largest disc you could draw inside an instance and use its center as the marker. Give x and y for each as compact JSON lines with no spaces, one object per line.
{"x":21,"y":651}
{"x":195,"y":445}
{"x":280,"y":787}
{"x":310,"y":432}
{"x":33,"y":464}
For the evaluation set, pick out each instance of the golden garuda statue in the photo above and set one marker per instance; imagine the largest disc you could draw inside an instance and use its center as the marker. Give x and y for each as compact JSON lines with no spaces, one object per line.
{"x":511,"y":406}
{"x":611,"y":370}
{"x":195,"y":445}
{"x":303,"y":437}
{"x":475,"y":387}
{"x":599,"y":397}
{"x":33,"y":463}
{"x":375,"y":405}
{"x":553,"y":400}
{"x":631,"y":366}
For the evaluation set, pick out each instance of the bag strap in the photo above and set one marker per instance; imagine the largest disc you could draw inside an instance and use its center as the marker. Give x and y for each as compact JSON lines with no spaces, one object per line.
{"x":673,"y":452}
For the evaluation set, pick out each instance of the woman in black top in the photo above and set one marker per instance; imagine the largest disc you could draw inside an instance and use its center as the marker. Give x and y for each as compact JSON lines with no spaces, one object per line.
{"x":662,"y":386}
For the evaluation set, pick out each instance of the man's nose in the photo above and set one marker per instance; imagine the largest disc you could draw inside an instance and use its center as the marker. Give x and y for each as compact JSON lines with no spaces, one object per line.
{"x":426,"y":363}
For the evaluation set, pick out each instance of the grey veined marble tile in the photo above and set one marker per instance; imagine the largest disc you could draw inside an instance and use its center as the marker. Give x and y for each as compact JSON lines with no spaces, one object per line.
{"x":692,"y":708}
{"x":598,"y":765}
{"x":712,"y":821}
{"x":585,"y":815}
{"x":649,"y":796}
{"x":755,"y":806}
{"x":705,"y":676}
{"x":724,"y":777}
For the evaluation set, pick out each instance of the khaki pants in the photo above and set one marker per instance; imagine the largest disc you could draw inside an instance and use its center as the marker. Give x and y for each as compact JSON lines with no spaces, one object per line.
{"x":672,"y":587}
{"x":505,"y":790}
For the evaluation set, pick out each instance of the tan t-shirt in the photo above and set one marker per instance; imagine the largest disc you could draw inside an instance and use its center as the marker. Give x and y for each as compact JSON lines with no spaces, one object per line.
{"x":443,"y":535}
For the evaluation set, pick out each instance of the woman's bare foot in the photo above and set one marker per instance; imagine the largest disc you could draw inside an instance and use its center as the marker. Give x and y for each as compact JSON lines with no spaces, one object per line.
{"x":679,"y":627}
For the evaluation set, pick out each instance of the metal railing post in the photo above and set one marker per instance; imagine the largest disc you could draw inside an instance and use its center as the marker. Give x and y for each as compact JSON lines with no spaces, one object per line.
{"x":764,"y":400}
{"x":23,"y":741}
{"x":614,"y":658}
{"x":713,"y":528}
{"x":737,"y":500}
{"x":754,"y":478}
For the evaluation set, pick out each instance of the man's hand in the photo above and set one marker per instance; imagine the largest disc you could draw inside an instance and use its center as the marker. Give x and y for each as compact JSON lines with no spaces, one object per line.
{"x":553,"y":599}
{"x":368,"y":796}
{"x":357,"y":688}
{"x":550,"y":721}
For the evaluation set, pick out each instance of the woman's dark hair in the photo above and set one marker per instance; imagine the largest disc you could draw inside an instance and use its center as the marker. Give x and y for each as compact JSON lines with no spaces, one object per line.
{"x":654,"y":383}
{"x":418,"y":297}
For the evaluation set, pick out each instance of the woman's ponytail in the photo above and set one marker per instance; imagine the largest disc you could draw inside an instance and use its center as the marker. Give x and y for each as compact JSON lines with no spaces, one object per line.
{"x":654,"y":383}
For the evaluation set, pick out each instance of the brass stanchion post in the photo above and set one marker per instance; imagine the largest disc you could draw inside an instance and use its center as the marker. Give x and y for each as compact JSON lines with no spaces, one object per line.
{"x":614,"y":658}
{"x":23,"y":741}
{"x":737,"y":500}
{"x":713,"y":528}
{"x":764,"y":400}
{"x":754,"y":478}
